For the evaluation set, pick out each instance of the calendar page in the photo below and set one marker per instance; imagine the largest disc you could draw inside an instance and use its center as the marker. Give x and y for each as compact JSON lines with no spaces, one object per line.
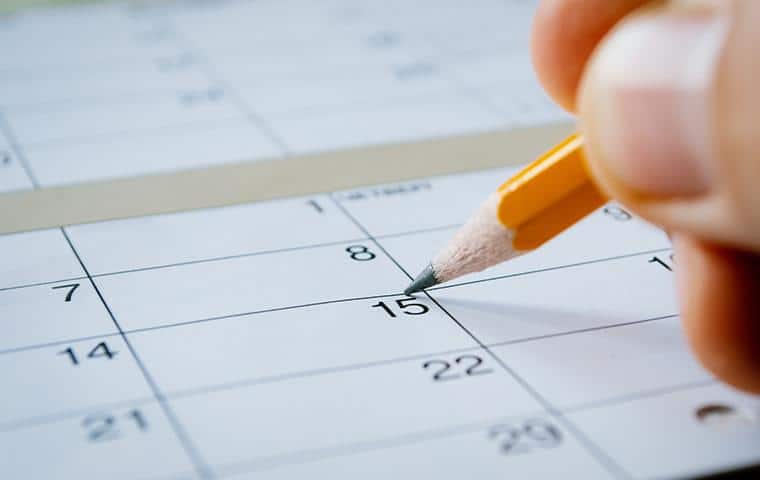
{"x":115,"y":90}
{"x":272,"y":340}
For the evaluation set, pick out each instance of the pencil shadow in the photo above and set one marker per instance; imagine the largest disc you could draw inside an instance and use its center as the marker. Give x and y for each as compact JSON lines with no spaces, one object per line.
{"x":506,"y":320}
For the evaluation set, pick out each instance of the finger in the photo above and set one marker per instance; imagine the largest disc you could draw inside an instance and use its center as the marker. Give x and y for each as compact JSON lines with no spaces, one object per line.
{"x":669,"y":106}
{"x":565,"y":32}
{"x":718,"y":291}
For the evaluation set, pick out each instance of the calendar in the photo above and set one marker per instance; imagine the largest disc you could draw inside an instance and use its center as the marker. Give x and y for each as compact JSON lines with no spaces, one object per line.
{"x":272,"y":339}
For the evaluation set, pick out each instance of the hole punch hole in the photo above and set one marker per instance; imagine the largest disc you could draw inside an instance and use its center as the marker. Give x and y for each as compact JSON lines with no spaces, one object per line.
{"x":719,"y":416}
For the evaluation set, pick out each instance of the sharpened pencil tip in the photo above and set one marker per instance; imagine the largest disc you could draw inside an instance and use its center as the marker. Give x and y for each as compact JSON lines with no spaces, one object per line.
{"x":425,"y":279}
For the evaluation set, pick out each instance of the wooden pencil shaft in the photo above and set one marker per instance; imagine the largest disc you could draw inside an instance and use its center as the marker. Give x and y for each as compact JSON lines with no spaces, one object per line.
{"x":549,"y":195}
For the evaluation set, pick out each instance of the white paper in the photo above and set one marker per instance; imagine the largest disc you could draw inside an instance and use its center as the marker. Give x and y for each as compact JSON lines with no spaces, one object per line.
{"x":246,"y":342}
{"x":272,"y":340}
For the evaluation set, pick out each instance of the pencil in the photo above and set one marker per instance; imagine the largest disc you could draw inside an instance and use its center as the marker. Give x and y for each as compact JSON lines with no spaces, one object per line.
{"x":543,"y":199}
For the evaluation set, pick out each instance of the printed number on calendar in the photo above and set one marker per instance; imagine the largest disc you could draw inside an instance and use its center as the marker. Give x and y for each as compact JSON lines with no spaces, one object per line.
{"x":529,"y":436}
{"x":100,"y":351}
{"x":102,"y":427}
{"x":463,"y":366}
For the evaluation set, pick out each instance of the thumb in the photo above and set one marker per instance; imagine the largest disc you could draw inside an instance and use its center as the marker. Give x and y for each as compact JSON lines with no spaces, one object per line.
{"x":669,"y":108}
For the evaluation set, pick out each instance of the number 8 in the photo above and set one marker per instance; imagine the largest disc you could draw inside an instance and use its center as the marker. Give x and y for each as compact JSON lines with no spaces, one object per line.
{"x":360,"y":253}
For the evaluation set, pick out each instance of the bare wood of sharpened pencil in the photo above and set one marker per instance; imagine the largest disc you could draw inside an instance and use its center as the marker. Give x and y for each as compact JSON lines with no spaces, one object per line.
{"x":542,"y":200}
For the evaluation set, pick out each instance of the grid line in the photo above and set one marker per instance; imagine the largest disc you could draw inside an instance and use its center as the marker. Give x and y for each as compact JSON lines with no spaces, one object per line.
{"x":40,"y":284}
{"x":306,"y":456}
{"x":228,"y":257}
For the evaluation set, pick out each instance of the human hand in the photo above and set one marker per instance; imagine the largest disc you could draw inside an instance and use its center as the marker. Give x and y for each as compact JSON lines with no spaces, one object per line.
{"x":668,"y":102}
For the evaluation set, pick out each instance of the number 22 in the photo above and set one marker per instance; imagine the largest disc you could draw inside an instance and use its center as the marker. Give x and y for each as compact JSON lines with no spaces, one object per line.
{"x":472,"y":363}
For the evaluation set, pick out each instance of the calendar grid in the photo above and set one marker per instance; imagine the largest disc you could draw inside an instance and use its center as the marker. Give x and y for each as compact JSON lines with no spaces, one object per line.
{"x":202,"y":469}
{"x":597,"y":452}
{"x":272,"y":340}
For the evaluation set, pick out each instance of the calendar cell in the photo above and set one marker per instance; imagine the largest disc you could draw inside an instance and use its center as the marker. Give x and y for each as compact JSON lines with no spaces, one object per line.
{"x":225,"y":142}
{"x":206,"y":106}
{"x":36,"y":257}
{"x":403,"y":121}
{"x":51,"y":313}
{"x":532,"y":106}
{"x":534,"y":447}
{"x":76,"y":376}
{"x":339,"y":409}
{"x":595,"y":238}
{"x":254,"y":283}
{"x":105,"y":35}
{"x":298,"y":68}
{"x":127,"y":442}
{"x":668,"y":428}
{"x":171,"y":74}
{"x":482,"y":69}
{"x":552,"y":302}
{"x":597,"y":366}
{"x":290,"y":342}
{"x":212,"y":233}
{"x":365,"y":86}
{"x":429,"y":198}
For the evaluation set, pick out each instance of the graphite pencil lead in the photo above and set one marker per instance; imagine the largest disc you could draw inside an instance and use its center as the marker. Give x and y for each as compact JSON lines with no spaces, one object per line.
{"x":425,"y":279}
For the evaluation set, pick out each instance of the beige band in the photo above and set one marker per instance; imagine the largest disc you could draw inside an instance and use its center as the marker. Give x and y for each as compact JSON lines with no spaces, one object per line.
{"x":265,"y":180}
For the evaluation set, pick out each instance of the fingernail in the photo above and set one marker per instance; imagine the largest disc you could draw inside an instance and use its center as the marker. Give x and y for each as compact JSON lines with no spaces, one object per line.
{"x":649,"y":101}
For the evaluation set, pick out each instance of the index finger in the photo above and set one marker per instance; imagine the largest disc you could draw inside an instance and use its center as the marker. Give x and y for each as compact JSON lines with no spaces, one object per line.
{"x":565,"y":33}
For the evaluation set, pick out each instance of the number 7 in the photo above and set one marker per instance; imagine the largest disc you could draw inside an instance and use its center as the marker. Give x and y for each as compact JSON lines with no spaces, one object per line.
{"x":72,"y":286}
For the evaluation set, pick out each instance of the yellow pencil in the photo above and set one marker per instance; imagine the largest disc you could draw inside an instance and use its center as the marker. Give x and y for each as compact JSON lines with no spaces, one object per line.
{"x":535,"y":205}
